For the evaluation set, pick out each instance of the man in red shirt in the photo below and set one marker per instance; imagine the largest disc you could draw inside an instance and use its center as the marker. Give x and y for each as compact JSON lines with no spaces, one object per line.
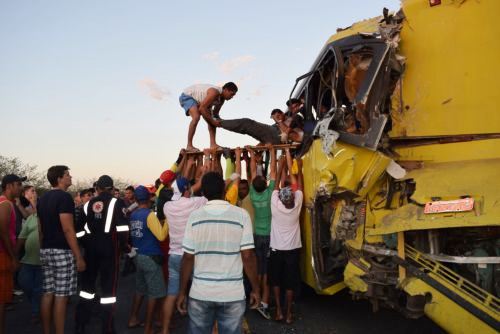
{"x":12,"y":186}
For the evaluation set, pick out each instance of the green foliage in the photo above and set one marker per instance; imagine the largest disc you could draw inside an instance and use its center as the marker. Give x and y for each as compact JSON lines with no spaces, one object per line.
{"x":9,"y":165}
{"x":87,"y":183}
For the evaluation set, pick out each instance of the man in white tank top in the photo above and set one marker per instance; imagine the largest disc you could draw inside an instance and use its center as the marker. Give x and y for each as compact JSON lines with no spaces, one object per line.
{"x":205,"y":100}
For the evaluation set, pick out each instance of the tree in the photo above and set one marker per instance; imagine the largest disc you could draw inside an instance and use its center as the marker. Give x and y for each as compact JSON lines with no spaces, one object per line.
{"x":39,"y":180}
{"x":87,"y":183}
{"x":9,"y":165}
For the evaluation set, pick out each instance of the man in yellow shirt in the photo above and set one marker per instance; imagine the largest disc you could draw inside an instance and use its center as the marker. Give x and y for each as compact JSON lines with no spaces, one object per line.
{"x":233,"y":179}
{"x":146,"y":232}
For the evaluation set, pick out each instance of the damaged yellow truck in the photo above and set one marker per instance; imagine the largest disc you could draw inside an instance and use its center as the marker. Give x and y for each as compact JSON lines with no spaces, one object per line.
{"x":402,"y":163}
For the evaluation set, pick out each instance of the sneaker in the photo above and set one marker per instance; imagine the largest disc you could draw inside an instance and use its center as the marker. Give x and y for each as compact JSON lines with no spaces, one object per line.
{"x":264,"y":311}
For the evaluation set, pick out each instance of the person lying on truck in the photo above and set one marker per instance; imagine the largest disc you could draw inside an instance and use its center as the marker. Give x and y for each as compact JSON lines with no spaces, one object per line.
{"x":277,"y":133}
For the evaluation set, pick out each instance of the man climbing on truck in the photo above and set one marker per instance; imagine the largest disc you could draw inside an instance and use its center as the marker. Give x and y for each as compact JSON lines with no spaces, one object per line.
{"x":205,"y":100}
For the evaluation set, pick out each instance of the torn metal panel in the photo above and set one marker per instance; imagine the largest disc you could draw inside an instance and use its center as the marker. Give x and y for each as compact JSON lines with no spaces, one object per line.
{"x":395,"y":170}
{"x":347,"y":169}
{"x":465,"y":259}
{"x":328,"y":137}
{"x":430,"y":140}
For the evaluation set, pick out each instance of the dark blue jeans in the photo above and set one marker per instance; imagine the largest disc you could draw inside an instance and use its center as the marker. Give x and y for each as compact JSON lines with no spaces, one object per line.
{"x":203,"y":314}
{"x":30,"y":280}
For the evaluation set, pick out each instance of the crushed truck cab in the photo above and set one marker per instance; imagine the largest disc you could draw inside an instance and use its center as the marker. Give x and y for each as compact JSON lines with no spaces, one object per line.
{"x":401,"y":157}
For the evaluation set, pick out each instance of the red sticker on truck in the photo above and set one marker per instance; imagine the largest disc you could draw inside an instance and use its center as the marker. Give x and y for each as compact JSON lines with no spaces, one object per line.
{"x":458,"y":205}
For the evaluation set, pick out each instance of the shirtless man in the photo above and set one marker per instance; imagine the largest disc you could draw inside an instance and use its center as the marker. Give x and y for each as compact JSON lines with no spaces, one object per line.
{"x":205,"y":100}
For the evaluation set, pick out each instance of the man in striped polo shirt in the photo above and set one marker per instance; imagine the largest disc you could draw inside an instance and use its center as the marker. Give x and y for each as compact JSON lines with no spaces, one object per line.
{"x":218,"y":245}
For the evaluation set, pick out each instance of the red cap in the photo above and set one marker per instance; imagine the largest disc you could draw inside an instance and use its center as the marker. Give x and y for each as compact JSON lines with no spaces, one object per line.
{"x":167,"y":177}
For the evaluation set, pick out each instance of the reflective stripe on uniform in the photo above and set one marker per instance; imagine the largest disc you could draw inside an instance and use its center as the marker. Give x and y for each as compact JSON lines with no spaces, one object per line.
{"x":87,"y":295}
{"x":108,"y":300}
{"x":85,"y":209}
{"x":80,"y":234}
{"x":122,"y":228}
{"x":109,"y":216}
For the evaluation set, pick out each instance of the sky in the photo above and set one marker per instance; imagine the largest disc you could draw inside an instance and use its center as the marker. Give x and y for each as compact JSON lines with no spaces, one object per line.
{"x":94,"y":85}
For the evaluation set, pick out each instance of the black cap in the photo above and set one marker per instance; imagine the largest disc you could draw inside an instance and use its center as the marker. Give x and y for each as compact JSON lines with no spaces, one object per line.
{"x":105,"y":181}
{"x":11,"y":178}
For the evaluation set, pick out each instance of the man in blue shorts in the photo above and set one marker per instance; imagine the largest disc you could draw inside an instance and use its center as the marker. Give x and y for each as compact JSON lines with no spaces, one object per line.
{"x":205,"y":100}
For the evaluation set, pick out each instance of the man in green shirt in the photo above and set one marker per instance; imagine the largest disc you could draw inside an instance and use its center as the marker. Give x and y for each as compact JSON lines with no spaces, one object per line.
{"x":260,"y":195}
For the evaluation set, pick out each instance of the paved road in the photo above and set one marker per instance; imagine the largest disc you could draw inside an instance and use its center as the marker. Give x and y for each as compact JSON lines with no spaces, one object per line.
{"x":314,"y":314}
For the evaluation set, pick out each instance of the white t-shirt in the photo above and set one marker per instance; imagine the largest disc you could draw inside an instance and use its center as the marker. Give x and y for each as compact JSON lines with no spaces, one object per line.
{"x":199,"y":92}
{"x":285,"y":227}
{"x":177,"y":214}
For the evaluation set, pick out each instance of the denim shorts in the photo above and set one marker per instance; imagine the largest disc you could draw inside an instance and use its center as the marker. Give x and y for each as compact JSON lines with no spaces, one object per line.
{"x":203,"y":314}
{"x":187,"y":102}
{"x":174,"y":274}
{"x":149,"y":277}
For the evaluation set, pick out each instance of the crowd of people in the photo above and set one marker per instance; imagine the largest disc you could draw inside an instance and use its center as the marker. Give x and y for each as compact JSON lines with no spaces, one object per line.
{"x":193,"y":241}
{"x":203,"y":241}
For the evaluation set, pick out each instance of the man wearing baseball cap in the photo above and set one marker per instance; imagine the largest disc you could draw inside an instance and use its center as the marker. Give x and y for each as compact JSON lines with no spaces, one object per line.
{"x":12,"y":186}
{"x":146,"y":234}
{"x":177,"y":212}
{"x":103,"y":229}
{"x":164,"y":192}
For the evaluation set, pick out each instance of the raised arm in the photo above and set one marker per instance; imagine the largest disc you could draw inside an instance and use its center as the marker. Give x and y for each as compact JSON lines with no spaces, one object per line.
{"x":281,"y":167}
{"x":201,"y":170}
{"x":237,"y":153}
{"x":289,"y":163}
{"x":188,"y":172}
{"x":253,"y":164}
{"x":237,"y":172}
{"x":272,"y":151}
{"x":181,"y":161}
{"x":24,"y":212}
{"x":207,"y":160}
{"x":216,"y":161}
{"x":300,"y":176}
